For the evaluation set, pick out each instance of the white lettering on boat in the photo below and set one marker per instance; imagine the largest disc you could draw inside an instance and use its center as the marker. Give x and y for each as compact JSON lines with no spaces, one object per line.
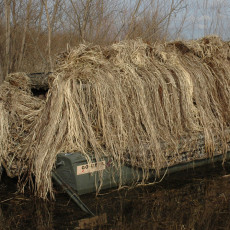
{"x":90,"y":168}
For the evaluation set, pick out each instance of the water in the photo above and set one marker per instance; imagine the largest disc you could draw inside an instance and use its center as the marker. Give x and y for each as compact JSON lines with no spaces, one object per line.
{"x":194,"y":199}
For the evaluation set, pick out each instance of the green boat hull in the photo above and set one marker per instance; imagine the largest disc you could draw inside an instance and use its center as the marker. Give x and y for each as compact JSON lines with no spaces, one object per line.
{"x":90,"y":177}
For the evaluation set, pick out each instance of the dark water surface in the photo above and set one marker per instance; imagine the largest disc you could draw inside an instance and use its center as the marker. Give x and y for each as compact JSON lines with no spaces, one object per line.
{"x":194,"y":199}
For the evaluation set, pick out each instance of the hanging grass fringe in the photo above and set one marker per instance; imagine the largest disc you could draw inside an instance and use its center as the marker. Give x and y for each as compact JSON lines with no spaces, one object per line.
{"x":144,"y":105}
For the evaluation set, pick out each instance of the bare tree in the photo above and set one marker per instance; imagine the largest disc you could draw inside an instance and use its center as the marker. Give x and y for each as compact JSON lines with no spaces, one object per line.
{"x":133,"y":17}
{"x":7,"y":50}
{"x":82,"y":13}
{"x":49,"y":34}
{"x":24,"y":33}
{"x":1,"y":73}
{"x":86,"y":17}
{"x":33,"y":31}
{"x":50,"y":25}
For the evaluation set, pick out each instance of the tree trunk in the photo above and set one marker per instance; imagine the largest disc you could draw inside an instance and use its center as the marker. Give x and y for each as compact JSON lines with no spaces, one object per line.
{"x":49,"y":35}
{"x":1,"y":74}
{"x":24,"y":33}
{"x":7,"y":17}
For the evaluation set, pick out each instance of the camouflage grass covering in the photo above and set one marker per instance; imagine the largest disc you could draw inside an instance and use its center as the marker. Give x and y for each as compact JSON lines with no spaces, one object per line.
{"x":144,"y":105}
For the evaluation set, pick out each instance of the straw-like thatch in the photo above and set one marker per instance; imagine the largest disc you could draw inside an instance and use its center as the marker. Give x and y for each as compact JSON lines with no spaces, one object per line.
{"x":145,"y":105}
{"x":18,"y":114}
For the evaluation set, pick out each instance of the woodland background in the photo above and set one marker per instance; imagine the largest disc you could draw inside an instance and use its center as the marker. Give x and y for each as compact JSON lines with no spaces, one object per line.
{"x":33,"y":32}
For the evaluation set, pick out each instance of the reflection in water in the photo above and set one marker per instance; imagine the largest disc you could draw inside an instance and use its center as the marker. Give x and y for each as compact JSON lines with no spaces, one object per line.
{"x":21,"y":212}
{"x":190,"y":200}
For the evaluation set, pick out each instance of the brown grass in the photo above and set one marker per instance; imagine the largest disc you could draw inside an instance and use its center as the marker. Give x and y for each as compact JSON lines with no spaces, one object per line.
{"x":142,"y":104}
{"x":18,"y":115}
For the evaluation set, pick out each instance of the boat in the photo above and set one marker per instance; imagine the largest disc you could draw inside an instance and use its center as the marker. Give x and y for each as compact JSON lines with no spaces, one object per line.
{"x":77,"y":176}
{"x":85,"y":178}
